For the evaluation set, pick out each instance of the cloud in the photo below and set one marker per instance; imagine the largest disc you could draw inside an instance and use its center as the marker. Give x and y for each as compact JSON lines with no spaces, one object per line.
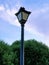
{"x":7,"y":11}
{"x":9,"y":15}
{"x":1,"y":8}
{"x":41,"y":20}
{"x":38,"y":22}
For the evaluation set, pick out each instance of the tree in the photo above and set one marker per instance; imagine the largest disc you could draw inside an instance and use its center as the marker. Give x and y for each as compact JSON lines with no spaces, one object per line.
{"x":6,"y":55}
{"x":3,"y":49}
{"x":16,"y":50}
{"x":35,"y":53}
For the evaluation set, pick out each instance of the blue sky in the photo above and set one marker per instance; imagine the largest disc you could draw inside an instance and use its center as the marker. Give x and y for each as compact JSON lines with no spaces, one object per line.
{"x":36,"y":27}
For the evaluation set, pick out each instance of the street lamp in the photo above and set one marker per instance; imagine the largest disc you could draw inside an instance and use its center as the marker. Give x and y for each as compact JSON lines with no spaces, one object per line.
{"x":22,"y":16}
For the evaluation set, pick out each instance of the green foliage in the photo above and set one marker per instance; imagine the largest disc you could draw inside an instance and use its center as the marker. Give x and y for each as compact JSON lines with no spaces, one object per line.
{"x":35,"y":53}
{"x":16,"y":50}
{"x":6,"y":55}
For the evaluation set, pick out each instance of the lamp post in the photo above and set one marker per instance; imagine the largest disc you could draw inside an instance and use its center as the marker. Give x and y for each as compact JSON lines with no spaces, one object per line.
{"x":22,"y":16}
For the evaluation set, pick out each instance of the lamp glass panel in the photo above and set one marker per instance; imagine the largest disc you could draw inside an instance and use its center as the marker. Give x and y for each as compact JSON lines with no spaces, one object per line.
{"x":25,"y":15}
{"x":19,"y":16}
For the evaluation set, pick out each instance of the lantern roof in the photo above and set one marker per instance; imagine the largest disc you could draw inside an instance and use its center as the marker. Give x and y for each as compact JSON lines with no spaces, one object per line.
{"x":22,"y":9}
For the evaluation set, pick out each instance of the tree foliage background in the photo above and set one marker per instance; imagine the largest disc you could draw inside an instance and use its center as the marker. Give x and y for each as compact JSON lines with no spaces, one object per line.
{"x":35,"y":53}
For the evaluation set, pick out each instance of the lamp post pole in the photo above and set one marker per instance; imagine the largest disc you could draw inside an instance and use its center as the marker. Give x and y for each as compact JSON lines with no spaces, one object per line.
{"x":22,"y":45}
{"x":22,"y":16}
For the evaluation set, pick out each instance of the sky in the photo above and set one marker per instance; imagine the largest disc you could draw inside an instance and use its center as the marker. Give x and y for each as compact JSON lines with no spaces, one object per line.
{"x":36,"y":27}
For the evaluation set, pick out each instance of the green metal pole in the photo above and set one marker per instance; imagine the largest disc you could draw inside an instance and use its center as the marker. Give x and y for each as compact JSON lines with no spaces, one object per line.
{"x":22,"y":45}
